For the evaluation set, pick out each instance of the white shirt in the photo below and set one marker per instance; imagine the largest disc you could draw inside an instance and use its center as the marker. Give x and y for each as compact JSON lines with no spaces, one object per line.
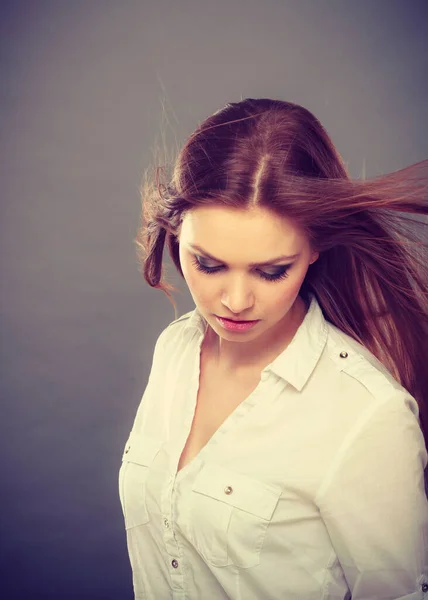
{"x":312,"y":489}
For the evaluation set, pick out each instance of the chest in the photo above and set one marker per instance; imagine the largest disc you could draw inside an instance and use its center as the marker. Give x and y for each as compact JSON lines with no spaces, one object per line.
{"x":218,"y":396}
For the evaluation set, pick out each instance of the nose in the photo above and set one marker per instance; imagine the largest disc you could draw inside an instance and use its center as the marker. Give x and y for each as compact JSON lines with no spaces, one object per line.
{"x":238,"y":298}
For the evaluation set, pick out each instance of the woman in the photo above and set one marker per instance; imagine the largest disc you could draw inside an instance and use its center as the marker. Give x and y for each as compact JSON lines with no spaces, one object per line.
{"x":282,"y":458}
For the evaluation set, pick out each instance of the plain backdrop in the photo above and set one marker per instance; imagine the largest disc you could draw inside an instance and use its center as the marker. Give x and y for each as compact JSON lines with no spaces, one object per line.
{"x":88,"y":88}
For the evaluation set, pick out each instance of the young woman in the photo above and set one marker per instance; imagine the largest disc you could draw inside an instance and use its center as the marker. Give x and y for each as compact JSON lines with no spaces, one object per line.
{"x":279,"y":449}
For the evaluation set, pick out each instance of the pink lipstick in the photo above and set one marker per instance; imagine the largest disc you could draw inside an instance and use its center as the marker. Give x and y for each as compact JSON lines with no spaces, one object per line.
{"x":236,"y":325}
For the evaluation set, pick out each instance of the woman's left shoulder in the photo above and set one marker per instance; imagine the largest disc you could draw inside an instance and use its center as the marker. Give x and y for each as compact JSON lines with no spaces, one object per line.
{"x":357,"y":362}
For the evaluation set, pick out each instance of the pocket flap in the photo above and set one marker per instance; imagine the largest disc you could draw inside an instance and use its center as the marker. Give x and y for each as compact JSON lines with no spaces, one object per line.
{"x":251,"y":495}
{"x":141,"y":449}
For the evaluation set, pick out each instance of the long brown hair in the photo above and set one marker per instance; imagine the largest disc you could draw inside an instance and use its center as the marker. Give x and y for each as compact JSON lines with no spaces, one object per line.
{"x":371,"y":278}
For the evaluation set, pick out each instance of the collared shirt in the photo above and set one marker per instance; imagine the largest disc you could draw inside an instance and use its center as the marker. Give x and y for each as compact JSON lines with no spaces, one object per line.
{"x":312,"y":488}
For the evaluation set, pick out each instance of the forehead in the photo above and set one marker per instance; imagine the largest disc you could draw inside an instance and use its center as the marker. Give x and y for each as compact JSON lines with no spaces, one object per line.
{"x":219,"y":224}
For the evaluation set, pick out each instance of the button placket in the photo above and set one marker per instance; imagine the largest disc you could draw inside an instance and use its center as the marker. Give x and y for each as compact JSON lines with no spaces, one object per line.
{"x":167,"y":520}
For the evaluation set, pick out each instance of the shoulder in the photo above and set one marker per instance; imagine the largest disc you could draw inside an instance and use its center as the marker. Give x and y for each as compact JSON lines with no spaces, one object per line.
{"x":355,"y":389}
{"x":181,"y":319}
{"x":177,"y":326}
{"x":358,"y":367}
{"x":172,"y":331}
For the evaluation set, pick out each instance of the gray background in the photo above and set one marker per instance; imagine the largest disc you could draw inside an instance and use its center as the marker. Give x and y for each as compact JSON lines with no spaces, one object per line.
{"x":86,"y":89}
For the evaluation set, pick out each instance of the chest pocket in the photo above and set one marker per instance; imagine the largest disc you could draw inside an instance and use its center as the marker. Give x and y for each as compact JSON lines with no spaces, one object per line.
{"x":139,"y":452}
{"x":230,"y":513}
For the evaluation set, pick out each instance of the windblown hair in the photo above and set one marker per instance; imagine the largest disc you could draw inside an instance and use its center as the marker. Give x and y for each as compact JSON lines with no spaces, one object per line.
{"x":371,"y":278}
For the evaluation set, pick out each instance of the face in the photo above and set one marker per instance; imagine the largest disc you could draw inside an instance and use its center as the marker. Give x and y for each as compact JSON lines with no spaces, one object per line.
{"x":227,"y":285}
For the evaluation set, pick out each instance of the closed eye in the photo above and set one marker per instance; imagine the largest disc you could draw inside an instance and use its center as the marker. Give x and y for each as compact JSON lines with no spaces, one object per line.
{"x":281,"y":272}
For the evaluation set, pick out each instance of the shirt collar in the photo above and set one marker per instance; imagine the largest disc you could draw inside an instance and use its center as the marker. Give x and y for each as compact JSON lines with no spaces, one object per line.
{"x":296,"y":363}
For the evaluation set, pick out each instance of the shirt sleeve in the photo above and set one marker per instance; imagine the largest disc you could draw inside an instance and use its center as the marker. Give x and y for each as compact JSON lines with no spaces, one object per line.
{"x":374,"y":505}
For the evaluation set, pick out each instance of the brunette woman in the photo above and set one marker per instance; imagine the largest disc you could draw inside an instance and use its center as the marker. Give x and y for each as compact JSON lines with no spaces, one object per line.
{"x":279,"y":449}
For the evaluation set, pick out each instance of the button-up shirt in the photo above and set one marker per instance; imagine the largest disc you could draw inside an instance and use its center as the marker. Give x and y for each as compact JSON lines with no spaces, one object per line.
{"x":311,"y":489}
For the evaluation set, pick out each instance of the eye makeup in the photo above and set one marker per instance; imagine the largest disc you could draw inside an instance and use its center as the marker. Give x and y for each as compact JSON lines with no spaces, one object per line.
{"x":281,"y":273}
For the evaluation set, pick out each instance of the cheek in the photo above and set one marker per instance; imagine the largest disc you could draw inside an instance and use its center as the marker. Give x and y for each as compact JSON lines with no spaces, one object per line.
{"x":283,"y":295}
{"x":199,"y":284}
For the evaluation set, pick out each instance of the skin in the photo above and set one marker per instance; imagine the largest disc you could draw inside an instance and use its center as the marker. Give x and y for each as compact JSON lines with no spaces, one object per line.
{"x":237,"y":238}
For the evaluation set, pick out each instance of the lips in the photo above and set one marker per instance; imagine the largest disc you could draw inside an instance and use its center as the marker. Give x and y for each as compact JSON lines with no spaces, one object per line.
{"x":236,"y":321}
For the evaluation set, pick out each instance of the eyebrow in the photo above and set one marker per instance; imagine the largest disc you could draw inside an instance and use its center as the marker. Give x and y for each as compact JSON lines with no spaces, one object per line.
{"x":260,"y":264}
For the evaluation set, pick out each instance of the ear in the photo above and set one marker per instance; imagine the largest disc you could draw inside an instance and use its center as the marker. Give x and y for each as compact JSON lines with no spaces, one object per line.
{"x":314,"y":257}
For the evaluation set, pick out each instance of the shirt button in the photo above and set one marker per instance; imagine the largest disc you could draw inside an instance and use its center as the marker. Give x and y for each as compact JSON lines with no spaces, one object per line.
{"x":166,"y":522}
{"x":425,"y":587}
{"x":174,"y":563}
{"x":228,"y":490}
{"x":343,"y":354}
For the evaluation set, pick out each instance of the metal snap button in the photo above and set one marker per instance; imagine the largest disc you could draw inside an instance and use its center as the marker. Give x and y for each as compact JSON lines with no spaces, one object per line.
{"x":228,"y":490}
{"x":174,"y":563}
{"x":343,"y":354}
{"x":425,"y":587}
{"x":166,"y":522}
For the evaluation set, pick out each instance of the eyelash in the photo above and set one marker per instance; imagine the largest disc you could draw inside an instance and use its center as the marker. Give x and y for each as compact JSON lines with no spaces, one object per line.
{"x":267,"y":276}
